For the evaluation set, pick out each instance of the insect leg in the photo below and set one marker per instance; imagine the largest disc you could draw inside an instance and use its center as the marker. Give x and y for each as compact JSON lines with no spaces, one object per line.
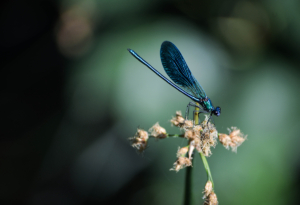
{"x":187,"y":111}
{"x":200,"y":111}
{"x":210,"y":118}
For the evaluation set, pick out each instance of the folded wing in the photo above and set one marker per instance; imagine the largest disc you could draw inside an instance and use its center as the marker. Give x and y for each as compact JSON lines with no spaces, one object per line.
{"x":177,"y":69}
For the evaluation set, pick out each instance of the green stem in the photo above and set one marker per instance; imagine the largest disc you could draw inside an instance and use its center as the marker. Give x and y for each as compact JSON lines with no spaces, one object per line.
{"x":188,"y":197}
{"x":188,"y":186}
{"x":168,"y":136}
{"x":175,"y":135}
{"x":206,"y":166}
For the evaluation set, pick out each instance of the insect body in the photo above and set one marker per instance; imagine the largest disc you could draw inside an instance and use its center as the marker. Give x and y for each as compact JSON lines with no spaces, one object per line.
{"x":183,"y":80}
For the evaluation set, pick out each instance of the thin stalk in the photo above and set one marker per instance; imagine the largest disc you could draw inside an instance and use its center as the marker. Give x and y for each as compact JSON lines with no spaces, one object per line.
{"x":175,"y":135}
{"x":188,"y":197}
{"x":206,"y":166}
{"x":188,"y":186}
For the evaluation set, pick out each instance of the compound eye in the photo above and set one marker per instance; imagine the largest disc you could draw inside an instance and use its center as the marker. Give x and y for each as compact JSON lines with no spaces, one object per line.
{"x":217,"y":111}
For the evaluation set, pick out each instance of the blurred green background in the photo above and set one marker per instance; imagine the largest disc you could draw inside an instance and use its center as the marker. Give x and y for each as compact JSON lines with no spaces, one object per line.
{"x":72,"y":95}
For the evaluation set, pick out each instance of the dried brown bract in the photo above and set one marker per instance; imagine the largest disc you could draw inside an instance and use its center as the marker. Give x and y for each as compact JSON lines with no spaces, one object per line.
{"x":211,"y":199}
{"x":208,"y":189}
{"x":193,"y":132}
{"x":181,"y":163}
{"x":139,"y":141}
{"x":157,"y":131}
{"x":180,"y":122}
{"x":182,"y":151}
{"x":233,"y":140}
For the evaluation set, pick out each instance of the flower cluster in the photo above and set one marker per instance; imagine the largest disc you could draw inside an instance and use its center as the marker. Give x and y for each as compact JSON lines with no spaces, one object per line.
{"x":200,"y":138}
{"x":233,"y":140}
{"x":140,"y":139}
{"x":209,"y":195}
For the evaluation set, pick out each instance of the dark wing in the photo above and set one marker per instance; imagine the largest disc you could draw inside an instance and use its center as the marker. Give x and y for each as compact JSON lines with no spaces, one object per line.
{"x":177,"y":69}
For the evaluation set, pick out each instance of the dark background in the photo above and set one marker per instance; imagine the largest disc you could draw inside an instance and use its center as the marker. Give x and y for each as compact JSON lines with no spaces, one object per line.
{"x":71,"y":96}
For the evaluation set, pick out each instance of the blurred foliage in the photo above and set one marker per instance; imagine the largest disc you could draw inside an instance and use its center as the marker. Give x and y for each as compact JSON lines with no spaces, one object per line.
{"x":71,"y":95}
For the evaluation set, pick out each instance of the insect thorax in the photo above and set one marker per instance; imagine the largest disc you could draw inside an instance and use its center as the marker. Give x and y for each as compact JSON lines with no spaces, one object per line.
{"x":207,"y":105}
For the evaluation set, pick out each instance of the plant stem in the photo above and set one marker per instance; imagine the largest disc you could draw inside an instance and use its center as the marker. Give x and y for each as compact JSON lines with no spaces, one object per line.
{"x":175,"y":135}
{"x":188,"y":186}
{"x":206,"y":166}
{"x":188,"y":197}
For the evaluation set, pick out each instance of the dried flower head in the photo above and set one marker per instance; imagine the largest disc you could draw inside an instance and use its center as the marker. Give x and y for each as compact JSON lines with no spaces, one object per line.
{"x":197,"y":128}
{"x":208,"y":136}
{"x":233,"y":140}
{"x":193,"y":132}
{"x":139,"y":141}
{"x":188,"y":124}
{"x":182,"y":151}
{"x":208,"y":189}
{"x":157,"y":131}
{"x":225,"y":140}
{"x":211,"y":199}
{"x":180,"y":122}
{"x":181,"y":163}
